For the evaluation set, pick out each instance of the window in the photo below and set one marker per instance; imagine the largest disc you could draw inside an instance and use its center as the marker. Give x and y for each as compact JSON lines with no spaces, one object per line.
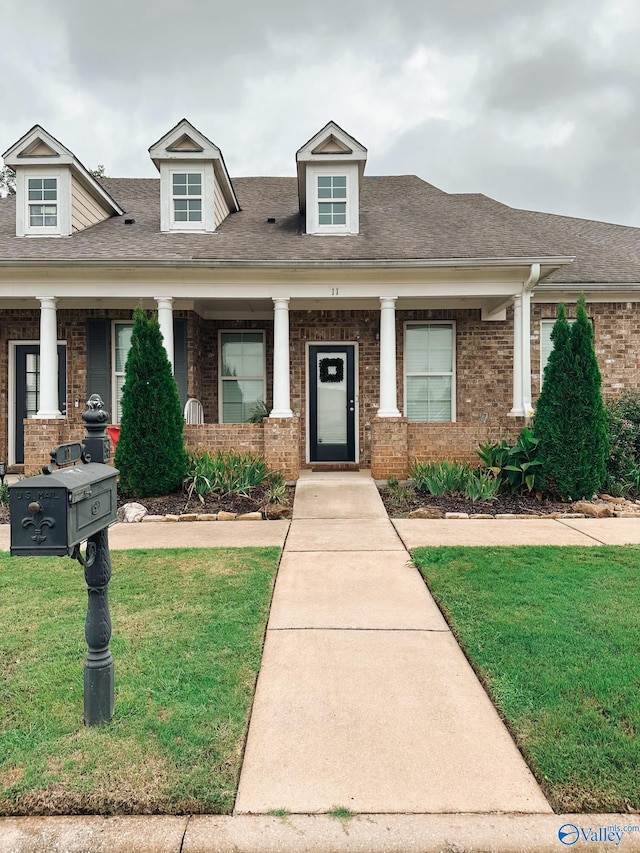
{"x":546,"y":344}
{"x":429,"y":358}
{"x":242,"y":375}
{"x":43,"y":206}
{"x":332,"y":200}
{"x":187,"y":197}
{"x":121,"y":346}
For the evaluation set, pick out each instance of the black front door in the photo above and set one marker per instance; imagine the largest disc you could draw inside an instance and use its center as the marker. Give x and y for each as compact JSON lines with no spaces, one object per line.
{"x":332,"y":432}
{"x":28,"y":389}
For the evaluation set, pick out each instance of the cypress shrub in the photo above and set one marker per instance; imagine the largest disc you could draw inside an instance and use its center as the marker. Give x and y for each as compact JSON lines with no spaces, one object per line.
{"x":571,"y":422}
{"x":150,"y":454}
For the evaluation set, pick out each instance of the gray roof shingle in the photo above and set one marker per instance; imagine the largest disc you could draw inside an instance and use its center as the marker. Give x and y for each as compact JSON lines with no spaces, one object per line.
{"x":401,"y":218}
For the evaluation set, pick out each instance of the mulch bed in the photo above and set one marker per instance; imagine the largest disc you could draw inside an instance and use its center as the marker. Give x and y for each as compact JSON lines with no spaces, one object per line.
{"x":400,"y":507}
{"x":177,"y":504}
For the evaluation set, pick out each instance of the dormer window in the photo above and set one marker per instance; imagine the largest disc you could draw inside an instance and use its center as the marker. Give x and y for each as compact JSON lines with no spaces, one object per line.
{"x":55,"y":195}
{"x":43,"y":206}
{"x":330,"y":168}
{"x":187,"y":198}
{"x":196,"y":193}
{"x":332,"y":200}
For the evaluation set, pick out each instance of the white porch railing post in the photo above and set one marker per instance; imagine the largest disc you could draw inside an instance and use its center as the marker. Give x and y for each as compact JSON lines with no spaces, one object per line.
{"x":281,"y":376}
{"x":48,"y":359}
{"x":388,"y":388}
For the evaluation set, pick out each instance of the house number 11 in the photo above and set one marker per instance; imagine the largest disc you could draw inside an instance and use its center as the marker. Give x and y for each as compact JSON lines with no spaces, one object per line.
{"x":334,"y":291}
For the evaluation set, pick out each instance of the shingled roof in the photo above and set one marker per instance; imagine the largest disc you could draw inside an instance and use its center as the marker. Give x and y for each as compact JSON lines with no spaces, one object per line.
{"x":401,"y":218}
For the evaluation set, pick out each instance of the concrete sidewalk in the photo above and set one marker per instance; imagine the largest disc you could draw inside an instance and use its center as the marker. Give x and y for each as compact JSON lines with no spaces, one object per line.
{"x":364,"y":699}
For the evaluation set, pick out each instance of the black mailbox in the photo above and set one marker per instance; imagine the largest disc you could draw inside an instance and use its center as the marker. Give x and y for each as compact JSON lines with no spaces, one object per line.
{"x":52,"y":513}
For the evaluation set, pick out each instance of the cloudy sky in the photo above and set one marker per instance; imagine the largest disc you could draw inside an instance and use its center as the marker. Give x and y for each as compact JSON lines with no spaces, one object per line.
{"x":535,"y":103}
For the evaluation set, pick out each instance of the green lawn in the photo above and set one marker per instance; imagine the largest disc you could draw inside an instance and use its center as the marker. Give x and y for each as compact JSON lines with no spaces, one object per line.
{"x":555,"y":635}
{"x":188,"y":628}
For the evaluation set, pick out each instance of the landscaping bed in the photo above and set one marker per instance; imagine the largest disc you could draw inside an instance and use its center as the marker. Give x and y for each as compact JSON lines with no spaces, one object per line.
{"x":553,"y":634}
{"x":401,"y":501}
{"x":188,"y":629}
{"x":177,"y":503}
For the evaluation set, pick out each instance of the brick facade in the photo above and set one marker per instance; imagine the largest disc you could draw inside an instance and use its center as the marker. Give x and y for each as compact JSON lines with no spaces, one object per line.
{"x":484,"y":368}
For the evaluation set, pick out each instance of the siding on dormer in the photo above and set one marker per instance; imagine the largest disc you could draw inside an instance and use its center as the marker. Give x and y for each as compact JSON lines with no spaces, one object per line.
{"x":220,"y":204}
{"x":85,"y":210}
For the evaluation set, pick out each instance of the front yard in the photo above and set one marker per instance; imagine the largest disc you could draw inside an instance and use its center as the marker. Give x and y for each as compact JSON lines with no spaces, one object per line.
{"x":188,"y":627}
{"x":554,"y":634}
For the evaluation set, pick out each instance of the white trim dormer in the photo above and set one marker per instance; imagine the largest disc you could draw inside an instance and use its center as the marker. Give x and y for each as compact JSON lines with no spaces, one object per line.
{"x":196,"y":192}
{"x":330,"y":168}
{"x":55,"y":195}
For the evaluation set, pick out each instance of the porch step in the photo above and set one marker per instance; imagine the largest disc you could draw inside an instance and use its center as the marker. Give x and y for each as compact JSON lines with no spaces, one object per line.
{"x":335,"y":466}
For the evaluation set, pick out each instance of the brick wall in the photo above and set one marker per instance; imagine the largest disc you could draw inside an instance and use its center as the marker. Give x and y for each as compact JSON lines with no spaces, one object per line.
{"x":40,"y":438}
{"x":282,"y":446}
{"x":244,"y":438}
{"x":483,"y":370}
{"x":389,"y":448}
{"x":457,"y":442}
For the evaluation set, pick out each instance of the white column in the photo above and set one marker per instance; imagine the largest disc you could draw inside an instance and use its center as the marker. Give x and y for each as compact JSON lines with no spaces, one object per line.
{"x":388,"y":388}
{"x":48,"y":359}
{"x":526,"y":354}
{"x":522,"y":407}
{"x":281,"y":378}
{"x":165,"y":320}
{"x":517,"y":408}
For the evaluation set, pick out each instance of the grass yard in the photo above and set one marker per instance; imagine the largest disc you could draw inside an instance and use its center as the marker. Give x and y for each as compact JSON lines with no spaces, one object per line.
{"x":188,"y":628}
{"x":555,"y":635}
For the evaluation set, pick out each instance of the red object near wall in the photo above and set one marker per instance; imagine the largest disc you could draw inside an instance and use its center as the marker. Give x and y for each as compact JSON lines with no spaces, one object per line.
{"x":114,"y":435}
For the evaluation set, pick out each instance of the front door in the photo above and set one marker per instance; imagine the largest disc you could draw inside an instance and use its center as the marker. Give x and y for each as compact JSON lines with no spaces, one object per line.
{"x":332,"y":403}
{"x":28,"y":389}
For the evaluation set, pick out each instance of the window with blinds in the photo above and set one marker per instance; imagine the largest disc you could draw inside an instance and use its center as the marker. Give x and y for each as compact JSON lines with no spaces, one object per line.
{"x":429,"y":371}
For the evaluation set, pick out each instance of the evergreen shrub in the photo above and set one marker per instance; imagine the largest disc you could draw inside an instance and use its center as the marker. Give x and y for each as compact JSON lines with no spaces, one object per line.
{"x":150,"y":454}
{"x":570,"y":420}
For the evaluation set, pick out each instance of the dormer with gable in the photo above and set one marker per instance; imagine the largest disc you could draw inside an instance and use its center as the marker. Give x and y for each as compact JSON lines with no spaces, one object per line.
{"x":330,"y":168}
{"x":196,"y":193}
{"x":55,"y":195}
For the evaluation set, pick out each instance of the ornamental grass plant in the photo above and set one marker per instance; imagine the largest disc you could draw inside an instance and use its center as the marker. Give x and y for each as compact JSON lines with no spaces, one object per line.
{"x":224,"y":473}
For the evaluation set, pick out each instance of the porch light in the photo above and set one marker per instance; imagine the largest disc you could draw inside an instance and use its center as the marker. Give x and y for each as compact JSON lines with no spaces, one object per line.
{"x":3,"y":471}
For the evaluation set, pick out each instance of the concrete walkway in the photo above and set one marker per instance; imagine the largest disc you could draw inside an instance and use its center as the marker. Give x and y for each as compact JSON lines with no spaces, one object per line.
{"x":364,"y":699}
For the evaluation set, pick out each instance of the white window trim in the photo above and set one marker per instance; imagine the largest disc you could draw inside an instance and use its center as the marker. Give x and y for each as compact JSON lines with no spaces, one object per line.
{"x":189,"y":225}
{"x":222,"y":332}
{"x":114,"y":375}
{"x":189,"y":167}
{"x":63,"y":202}
{"x":325,"y":170}
{"x":453,"y":373}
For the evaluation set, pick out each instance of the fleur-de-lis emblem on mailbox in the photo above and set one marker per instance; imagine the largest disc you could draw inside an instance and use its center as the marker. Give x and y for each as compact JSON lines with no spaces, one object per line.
{"x":38,"y":523}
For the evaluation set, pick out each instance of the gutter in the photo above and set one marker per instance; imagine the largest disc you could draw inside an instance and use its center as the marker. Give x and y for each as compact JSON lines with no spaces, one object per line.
{"x":234,"y":263}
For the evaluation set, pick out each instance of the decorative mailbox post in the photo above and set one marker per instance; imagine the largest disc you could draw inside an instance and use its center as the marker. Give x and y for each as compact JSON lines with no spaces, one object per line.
{"x":52,"y":514}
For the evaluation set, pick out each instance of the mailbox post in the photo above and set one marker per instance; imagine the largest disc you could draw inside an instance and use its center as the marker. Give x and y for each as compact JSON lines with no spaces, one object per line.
{"x":52,"y":514}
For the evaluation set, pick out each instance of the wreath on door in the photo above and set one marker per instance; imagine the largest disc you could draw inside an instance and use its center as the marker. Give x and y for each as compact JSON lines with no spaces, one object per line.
{"x":331,"y":370}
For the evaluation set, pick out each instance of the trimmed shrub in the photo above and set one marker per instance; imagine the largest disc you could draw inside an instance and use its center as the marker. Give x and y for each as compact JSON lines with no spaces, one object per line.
{"x":150,"y":454}
{"x":570,"y":420}
{"x":623,"y":462}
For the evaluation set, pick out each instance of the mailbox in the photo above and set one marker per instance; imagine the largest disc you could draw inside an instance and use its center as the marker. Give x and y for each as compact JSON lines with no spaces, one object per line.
{"x":52,"y":513}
